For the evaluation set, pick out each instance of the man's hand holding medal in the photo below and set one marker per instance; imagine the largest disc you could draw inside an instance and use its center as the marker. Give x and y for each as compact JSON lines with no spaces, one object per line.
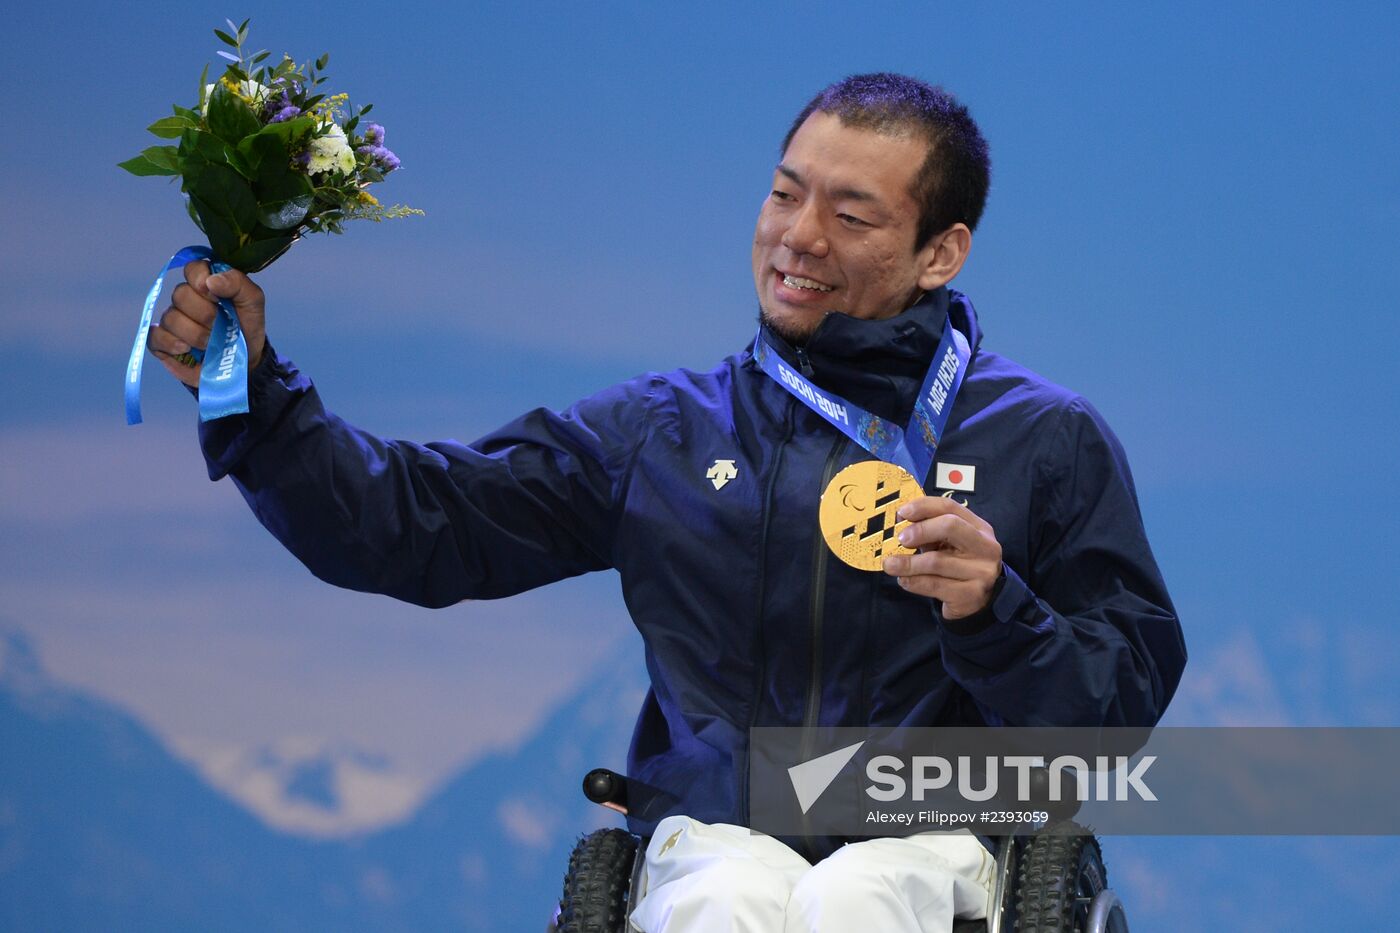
{"x":958,"y":559}
{"x":875,"y":516}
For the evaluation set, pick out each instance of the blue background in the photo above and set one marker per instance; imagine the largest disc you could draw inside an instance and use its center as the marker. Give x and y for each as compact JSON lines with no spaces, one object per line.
{"x":1192,"y":222}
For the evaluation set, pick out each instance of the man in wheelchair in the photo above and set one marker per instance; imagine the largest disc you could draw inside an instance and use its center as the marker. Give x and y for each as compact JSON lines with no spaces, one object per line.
{"x":1030,"y":596}
{"x":863,"y":518}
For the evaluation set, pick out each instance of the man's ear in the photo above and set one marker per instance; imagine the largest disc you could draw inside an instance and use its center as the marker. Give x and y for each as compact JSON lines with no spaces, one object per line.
{"x":943,"y":257}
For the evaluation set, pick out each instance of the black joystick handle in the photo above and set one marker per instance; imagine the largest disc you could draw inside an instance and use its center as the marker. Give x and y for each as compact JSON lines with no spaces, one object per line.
{"x":603,"y":786}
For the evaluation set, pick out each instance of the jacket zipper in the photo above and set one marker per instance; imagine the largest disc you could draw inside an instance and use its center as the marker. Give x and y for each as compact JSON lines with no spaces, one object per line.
{"x":788,"y":430}
{"x":804,"y":362}
{"x":821,"y":554}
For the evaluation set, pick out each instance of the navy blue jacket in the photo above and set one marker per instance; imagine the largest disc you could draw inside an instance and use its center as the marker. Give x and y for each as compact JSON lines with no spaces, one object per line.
{"x":746,"y":616}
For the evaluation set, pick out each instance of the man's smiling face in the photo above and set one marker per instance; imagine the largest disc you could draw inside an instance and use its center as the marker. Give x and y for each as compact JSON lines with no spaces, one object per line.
{"x":837,"y":231}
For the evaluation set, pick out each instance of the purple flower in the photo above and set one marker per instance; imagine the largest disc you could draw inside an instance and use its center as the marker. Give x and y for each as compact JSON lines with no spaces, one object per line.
{"x":385,"y":160}
{"x":280,"y":108}
{"x":374,"y":135}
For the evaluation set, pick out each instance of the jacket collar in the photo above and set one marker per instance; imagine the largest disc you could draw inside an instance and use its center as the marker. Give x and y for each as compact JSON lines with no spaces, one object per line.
{"x":881,"y":365}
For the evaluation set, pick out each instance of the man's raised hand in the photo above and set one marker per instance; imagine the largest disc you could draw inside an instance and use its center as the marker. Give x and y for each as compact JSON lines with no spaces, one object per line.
{"x":186,"y":323}
{"x":959,"y":559}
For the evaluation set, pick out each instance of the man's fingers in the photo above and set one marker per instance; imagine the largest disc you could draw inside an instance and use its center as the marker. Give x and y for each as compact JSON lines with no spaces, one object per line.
{"x":934,"y":506}
{"x":178,"y":325}
{"x":945,"y":531}
{"x":238,"y":288}
{"x":199,"y":299}
{"x":958,"y":558}
{"x":159,"y":340}
{"x":194,"y":305}
{"x":943,"y":564}
{"x":189,"y":375}
{"x":196,"y":272}
{"x":953,"y":594}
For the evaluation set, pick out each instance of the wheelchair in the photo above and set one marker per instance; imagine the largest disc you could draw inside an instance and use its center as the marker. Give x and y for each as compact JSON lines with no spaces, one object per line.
{"x":1051,"y":878}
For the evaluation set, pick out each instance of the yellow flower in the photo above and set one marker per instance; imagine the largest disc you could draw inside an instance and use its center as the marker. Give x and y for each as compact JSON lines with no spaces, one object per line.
{"x":250,"y":92}
{"x":327,"y":108}
{"x":368,"y":199}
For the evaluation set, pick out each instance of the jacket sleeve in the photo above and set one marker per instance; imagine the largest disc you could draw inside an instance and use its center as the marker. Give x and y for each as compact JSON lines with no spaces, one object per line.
{"x":432,"y":524}
{"x":1086,"y":635}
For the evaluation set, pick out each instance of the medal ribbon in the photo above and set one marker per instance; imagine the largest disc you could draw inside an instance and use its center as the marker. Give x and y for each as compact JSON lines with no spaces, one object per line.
{"x":912,"y":447}
{"x":223,"y":387}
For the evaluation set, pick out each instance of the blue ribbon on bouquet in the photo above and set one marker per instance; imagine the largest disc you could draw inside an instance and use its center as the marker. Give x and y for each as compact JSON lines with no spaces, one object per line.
{"x":223,"y":386}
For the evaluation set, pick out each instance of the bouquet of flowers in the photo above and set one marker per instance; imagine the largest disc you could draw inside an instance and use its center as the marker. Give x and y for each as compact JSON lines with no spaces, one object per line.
{"x":267,"y":157}
{"x":264,"y":158}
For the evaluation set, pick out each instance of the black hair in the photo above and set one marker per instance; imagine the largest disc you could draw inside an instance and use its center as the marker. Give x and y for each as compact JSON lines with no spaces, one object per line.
{"x":951,"y":185}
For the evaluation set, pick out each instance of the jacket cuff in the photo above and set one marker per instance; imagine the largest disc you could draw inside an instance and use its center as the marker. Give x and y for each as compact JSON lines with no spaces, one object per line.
{"x":273,"y":386}
{"x":983,"y":618}
{"x":1020,"y":621}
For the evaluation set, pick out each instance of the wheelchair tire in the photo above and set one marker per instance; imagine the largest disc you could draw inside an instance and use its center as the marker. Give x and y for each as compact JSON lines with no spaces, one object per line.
{"x":595,"y":889}
{"x":1061,"y":872}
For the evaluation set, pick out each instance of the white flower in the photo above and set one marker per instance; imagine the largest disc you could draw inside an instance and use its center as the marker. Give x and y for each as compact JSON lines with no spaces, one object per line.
{"x":331,"y":151}
{"x":252,"y":91}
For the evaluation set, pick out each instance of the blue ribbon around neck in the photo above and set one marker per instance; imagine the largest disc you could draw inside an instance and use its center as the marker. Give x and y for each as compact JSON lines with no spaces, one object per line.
{"x":913,"y":447}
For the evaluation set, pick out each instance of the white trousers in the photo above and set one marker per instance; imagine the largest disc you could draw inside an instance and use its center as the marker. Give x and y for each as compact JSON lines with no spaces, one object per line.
{"x":718,"y":878}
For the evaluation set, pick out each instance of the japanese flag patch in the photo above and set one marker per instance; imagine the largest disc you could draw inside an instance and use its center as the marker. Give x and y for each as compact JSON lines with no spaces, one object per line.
{"x":959,"y":476}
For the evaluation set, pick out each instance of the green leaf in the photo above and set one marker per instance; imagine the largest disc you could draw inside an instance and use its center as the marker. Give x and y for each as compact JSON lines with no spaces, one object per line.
{"x":140,"y":165}
{"x":260,"y":253}
{"x":225,"y":38}
{"x":223,"y":236}
{"x":170,"y":127}
{"x":189,"y":209}
{"x":260,"y":56}
{"x":280,"y":182}
{"x":321,"y":62}
{"x":229,"y":117}
{"x":191,"y":170}
{"x":284,"y":215}
{"x":203,"y":80}
{"x":366,"y":109}
{"x":166,"y":157}
{"x":263,"y":147}
{"x":237,"y":162}
{"x":228,"y":195}
{"x":190,"y":115}
{"x":201,"y":146}
{"x":289,"y":131}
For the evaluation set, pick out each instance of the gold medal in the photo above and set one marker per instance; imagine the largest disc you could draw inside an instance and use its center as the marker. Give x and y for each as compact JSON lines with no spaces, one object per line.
{"x":857,"y":512}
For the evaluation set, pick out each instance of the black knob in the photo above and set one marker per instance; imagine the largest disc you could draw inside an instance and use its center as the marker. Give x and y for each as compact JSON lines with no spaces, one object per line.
{"x":603,"y":786}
